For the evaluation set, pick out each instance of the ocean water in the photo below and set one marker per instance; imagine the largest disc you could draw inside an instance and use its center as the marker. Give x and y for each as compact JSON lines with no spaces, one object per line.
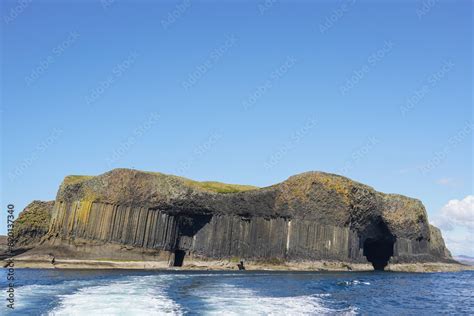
{"x":123,"y":292}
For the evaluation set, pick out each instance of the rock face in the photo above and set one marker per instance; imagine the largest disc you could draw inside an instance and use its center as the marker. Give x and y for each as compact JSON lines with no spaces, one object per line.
{"x":311,"y":216}
{"x":32,"y":224}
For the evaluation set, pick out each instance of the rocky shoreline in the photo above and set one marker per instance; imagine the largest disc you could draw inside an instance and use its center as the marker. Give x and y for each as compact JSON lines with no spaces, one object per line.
{"x":48,"y":262}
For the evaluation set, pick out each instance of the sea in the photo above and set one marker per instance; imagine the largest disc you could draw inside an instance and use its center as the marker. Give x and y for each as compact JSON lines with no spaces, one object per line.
{"x":125,"y":292}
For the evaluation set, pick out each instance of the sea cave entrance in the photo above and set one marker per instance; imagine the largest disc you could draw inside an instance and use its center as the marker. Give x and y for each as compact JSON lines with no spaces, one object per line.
{"x":378,"y":244}
{"x":187,"y":226}
{"x":378,"y":252}
{"x":179,"y":258}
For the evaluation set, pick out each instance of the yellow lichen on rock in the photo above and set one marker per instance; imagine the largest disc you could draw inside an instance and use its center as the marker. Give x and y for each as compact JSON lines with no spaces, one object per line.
{"x":84,"y":211}
{"x":301,"y":185}
{"x":338,"y":184}
{"x":73,"y":179}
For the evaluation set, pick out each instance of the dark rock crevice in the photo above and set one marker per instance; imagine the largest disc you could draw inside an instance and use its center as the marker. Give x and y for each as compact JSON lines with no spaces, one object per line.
{"x":178,"y":259}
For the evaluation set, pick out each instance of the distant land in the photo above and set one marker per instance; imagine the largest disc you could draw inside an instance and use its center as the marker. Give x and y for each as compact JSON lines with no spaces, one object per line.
{"x":465,"y":259}
{"x":312,"y":221}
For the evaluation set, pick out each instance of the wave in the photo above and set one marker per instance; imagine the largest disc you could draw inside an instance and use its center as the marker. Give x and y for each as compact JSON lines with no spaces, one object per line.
{"x":353,"y":282}
{"x":29,"y":295}
{"x":132,"y":296}
{"x":232,"y":300}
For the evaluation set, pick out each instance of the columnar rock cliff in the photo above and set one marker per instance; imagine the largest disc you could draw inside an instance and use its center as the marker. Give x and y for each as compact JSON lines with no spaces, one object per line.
{"x":311,"y":216}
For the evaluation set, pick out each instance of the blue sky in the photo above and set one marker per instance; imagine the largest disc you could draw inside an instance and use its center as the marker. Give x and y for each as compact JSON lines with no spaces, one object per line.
{"x":242,"y":92}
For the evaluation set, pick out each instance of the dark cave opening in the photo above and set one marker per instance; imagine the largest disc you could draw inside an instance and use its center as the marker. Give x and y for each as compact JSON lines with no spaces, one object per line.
{"x":179,"y":258}
{"x":378,"y":252}
{"x":187,"y":226}
{"x":190,"y":225}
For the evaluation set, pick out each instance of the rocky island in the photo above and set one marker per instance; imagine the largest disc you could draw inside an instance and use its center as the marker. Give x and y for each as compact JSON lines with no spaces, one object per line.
{"x":312,"y":221}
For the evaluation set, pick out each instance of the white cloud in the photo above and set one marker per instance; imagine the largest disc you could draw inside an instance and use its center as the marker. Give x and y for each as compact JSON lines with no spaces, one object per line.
{"x":456,"y":220}
{"x":463,"y":245}
{"x":456,"y":213}
{"x":447,"y":182}
{"x":460,"y":212}
{"x":443,"y":223}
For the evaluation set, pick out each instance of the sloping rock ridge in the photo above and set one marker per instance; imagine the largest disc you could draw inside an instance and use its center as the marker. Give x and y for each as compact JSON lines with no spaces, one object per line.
{"x":32,"y":224}
{"x":309,"y":217}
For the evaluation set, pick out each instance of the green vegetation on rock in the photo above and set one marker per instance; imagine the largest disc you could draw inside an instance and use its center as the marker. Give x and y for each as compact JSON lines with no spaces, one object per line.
{"x":219,"y":187}
{"x":209,"y":186}
{"x":73,"y":179}
{"x":32,"y":223}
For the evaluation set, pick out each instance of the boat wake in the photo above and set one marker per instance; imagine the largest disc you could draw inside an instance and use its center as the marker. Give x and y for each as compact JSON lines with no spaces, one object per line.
{"x":132,"y":296}
{"x":173,"y":294}
{"x":232,"y":300}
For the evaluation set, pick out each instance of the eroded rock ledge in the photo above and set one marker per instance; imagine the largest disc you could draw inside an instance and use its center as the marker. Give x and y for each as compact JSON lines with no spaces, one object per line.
{"x":133,"y":215}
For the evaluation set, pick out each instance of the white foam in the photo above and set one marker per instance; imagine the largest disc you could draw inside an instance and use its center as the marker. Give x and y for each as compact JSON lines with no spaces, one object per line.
{"x":132,"y":296}
{"x":231,"y":300}
{"x":28,"y":294}
{"x":142,"y":295}
{"x":353,"y":282}
{"x":361,"y":282}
